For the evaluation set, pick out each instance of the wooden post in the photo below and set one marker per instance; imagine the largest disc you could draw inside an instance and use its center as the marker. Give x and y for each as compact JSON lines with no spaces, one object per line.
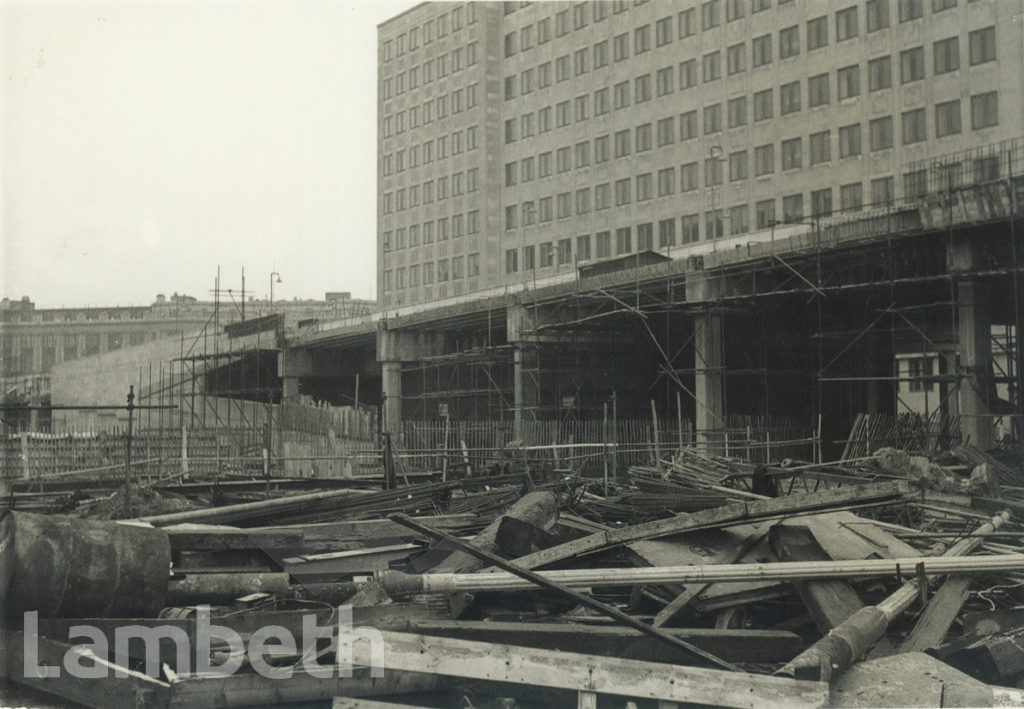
{"x":604,"y":440}
{"x":817,"y":443}
{"x":615,"y":437}
{"x":465,"y":457}
{"x":184,"y":451}
{"x":867,"y":434}
{"x":355,"y":406}
{"x":679,"y":420}
{"x":25,"y":470}
{"x":654,"y":433}
{"x":444,"y":460}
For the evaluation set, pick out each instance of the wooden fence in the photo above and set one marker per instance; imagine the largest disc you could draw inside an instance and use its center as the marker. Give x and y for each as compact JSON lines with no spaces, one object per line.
{"x":914,"y":433}
{"x":583,"y":446}
{"x":317,"y":441}
{"x":303,"y":440}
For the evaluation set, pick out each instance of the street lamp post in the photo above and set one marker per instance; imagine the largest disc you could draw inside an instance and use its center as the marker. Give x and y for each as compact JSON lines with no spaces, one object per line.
{"x":272,"y":274}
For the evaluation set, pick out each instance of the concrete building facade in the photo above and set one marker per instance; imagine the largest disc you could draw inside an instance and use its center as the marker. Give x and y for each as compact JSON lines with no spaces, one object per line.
{"x":35,"y":340}
{"x":609,"y":128}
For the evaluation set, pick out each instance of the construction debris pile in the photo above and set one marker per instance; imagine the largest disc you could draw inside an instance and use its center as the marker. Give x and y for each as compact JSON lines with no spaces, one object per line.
{"x":889,"y":580}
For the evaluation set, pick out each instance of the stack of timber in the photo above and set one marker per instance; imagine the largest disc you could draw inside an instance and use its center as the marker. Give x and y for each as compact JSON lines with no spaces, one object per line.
{"x":890,"y":580}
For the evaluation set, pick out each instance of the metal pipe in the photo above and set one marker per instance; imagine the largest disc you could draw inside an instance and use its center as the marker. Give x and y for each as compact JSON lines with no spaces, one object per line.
{"x":710,"y":573}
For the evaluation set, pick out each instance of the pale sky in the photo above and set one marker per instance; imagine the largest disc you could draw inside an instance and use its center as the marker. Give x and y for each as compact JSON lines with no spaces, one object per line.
{"x":144,"y":143}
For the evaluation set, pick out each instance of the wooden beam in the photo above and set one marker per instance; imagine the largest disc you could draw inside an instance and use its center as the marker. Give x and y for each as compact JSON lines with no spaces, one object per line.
{"x":734,"y":645}
{"x":250,"y":510}
{"x":940,"y":612}
{"x":250,"y":689}
{"x":829,"y":601}
{"x":539,"y":509}
{"x":720,"y":517}
{"x":203,"y":537}
{"x":695,"y":589}
{"x":134,"y":690}
{"x":363,"y":703}
{"x":586,"y":673}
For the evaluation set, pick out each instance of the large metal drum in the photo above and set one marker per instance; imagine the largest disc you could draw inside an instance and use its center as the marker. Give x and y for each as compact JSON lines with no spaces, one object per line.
{"x":67,"y":567}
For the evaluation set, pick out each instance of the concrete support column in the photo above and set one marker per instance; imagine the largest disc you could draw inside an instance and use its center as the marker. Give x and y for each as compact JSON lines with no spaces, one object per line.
{"x":520,"y":325}
{"x":709,"y":386}
{"x":524,"y":387}
{"x":974,"y":343}
{"x":391,"y":390}
{"x":974,"y":348}
{"x":709,"y":358}
{"x":289,"y":388}
{"x":292,"y":365}
{"x":393,"y":348}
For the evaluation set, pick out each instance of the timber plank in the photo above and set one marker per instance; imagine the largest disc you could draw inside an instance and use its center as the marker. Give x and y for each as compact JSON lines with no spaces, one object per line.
{"x":940,"y":612}
{"x":586,"y":673}
{"x":844,"y":535}
{"x":362,"y":703}
{"x":135,"y":690}
{"x":614,"y":641}
{"x":829,"y":601}
{"x":212,"y":537}
{"x":248,"y":689}
{"x":692,"y":591}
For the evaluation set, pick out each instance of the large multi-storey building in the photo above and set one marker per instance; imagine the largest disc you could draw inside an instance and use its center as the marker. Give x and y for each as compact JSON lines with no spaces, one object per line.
{"x":520,"y":139}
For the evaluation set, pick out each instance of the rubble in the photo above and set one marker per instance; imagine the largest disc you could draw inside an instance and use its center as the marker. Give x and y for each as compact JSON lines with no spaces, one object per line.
{"x":698,"y":579}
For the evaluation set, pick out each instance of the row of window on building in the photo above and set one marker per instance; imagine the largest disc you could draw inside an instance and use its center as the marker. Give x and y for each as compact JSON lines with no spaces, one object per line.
{"x":434,"y":190}
{"x":18,"y":352}
{"x":818,"y":90}
{"x":684,"y":24}
{"x":945,"y":58}
{"x":456,"y":102}
{"x":423,"y":74}
{"x":736,"y":166}
{"x":736,"y":219}
{"x":459,"y":141}
{"x":412,"y":235}
{"x":73,"y":315}
{"x":434,"y":28}
{"x":443,"y":270}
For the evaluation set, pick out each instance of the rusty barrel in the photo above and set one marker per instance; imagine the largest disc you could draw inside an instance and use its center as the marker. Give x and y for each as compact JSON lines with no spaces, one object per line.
{"x":78,"y":568}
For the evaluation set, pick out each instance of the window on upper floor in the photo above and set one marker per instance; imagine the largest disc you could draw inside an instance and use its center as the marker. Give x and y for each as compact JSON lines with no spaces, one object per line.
{"x":880,"y":73}
{"x":817,"y":33}
{"x":846,"y":24}
{"x":876,"y":13}
{"x":710,"y":14}
{"x":911,"y":10}
{"x":789,"y":42}
{"x":914,"y":127}
{"x":911,"y":65}
{"x":761,"y":49}
{"x":982,"y":45}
